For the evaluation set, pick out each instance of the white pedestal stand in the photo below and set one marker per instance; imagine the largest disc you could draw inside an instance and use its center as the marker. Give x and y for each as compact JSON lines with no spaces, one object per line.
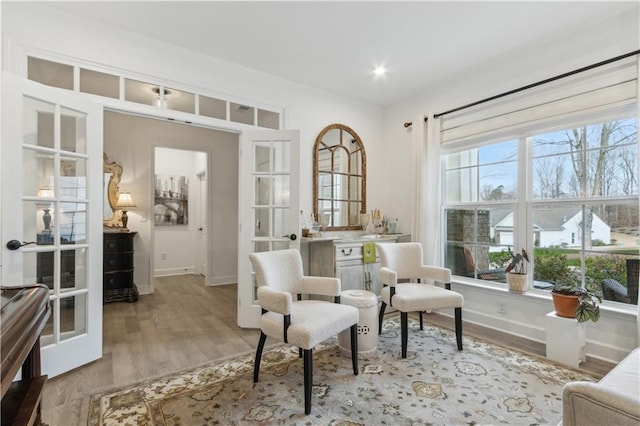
{"x":566,"y":340}
{"x":367,"y":304}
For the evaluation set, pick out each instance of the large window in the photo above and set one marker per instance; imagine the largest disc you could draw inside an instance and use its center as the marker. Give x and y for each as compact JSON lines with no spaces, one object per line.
{"x":569,"y":196}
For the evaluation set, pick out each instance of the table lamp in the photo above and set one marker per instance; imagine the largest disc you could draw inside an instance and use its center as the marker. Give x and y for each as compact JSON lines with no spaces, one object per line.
{"x":45,"y":192}
{"x":125,"y":202}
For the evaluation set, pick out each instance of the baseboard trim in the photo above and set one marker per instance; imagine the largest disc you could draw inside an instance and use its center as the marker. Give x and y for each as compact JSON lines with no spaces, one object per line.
{"x":223,"y":280}
{"x":174,"y":271}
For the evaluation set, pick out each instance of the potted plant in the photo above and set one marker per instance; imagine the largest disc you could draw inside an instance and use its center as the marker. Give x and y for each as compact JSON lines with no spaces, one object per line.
{"x":574,"y":301}
{"x":516,"y":271}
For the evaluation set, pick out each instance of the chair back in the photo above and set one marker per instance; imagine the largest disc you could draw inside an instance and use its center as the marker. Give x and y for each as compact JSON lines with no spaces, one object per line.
{"x":403,"y":258}
{"x":633,"y":275}
{"x":280,"y":269}
{"x":460,"y":260}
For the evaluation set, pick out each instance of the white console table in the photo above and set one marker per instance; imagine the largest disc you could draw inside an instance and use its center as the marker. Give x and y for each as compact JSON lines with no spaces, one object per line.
{"x":566,"y":340}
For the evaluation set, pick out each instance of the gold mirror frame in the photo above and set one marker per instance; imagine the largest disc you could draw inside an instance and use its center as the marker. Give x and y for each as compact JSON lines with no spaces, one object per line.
{"x":319,"y":145}
{"x":111,"y":181}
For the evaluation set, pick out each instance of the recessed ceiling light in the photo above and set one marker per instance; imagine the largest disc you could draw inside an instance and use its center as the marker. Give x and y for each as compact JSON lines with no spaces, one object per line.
{"x":379,"y":71}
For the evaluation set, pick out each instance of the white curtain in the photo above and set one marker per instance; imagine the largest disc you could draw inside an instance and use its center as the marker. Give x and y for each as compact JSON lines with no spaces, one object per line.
{"x":427,"y":187}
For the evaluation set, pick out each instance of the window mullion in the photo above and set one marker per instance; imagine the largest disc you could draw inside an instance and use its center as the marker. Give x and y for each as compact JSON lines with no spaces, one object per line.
{"x":522,"y":213}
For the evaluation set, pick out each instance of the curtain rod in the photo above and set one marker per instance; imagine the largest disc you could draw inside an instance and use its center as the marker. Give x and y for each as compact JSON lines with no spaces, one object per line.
{"x":409,"y":123}
{"x":539,"y":83}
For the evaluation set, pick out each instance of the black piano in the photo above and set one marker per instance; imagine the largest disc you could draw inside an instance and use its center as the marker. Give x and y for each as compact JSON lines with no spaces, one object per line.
{"x":23,"y":316}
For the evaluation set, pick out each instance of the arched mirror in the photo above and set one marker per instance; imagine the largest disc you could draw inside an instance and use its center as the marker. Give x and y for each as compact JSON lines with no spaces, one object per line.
{"x":111,"y":180}
{"x":340,"y":178}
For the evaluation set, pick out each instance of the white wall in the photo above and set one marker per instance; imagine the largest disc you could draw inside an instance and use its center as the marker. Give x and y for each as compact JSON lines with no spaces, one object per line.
{"x":615,"y":334}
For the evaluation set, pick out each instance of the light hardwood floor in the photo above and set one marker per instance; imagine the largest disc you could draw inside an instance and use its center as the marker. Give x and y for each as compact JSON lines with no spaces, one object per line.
{"x":181,"y":325}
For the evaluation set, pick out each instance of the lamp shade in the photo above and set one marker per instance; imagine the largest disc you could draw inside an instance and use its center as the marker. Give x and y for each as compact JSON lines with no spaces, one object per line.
{"x":125,"y":201}
{"x":45,"y":192}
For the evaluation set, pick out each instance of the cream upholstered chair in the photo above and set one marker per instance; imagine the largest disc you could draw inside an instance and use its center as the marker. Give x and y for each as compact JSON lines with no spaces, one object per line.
{"x":403,"y":261}
{"x":302,"y":323}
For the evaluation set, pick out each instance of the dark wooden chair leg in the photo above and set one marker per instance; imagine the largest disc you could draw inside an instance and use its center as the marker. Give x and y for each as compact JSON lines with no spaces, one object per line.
{"x":354,"y":348}
{"x":421,"y":322}
{"x":256,"y":364}
{"x":459,"y":327}
{"x":383,"y":306}
{"x":404,"y":331}
{"x":308,"y":379}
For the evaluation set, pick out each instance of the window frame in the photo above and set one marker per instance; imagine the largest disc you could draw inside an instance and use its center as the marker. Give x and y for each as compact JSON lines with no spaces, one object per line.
{"x":524,"y":204}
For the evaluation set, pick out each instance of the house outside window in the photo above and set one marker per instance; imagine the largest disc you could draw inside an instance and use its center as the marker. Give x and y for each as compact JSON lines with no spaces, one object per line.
{"x":569,"y":196}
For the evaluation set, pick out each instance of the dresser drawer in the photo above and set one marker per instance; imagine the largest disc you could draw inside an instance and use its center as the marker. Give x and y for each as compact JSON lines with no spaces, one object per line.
{"x":348,"y":251}
{"x":116,"y":280}
{"x":117,"y":261}
{"x":116,"y":244}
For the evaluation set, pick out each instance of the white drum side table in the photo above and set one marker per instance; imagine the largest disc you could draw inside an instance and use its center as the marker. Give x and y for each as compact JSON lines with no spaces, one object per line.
{"x":367,"y":304}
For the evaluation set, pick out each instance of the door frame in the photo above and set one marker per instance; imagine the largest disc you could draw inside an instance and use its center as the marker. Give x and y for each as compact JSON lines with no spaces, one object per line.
{"x":17,"y":64}
{"x":152,"y":230}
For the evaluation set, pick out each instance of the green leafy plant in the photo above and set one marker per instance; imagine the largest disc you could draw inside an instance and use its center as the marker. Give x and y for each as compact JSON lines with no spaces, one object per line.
{"x":517,"y":262}
{"x":588,"y":301}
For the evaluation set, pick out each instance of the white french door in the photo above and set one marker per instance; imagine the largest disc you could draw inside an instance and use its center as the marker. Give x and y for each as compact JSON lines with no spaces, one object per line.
{"x":52,"y":204}
{"x":268,"y":207}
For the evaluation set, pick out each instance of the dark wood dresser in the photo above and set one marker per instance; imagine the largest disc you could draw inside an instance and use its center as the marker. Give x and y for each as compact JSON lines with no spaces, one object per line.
{"x":118,"y":268}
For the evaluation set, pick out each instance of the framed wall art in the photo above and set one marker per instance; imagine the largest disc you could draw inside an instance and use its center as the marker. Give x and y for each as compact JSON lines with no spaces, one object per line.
{"x":171,"y":206}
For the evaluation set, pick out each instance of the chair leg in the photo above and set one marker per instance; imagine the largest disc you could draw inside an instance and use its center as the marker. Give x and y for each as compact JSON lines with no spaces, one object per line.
{"x":421,"y":323}
{"x":404,"y":331}
{"x":256,"y":364}
{"x":459,"y":327}
{"x":308,"y":379}
{"x":299,"y":352}
{"x":383,"y":306}
{"x":354,"y":348}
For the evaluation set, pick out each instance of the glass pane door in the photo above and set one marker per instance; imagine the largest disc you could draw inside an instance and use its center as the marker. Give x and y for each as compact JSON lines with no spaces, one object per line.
{"x":48,"y":203}
{"x":269,"y":207}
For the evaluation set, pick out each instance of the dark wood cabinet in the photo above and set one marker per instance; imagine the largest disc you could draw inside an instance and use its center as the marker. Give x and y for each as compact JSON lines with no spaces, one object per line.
{"x":118,"y":267}
{"x":45,"y":262}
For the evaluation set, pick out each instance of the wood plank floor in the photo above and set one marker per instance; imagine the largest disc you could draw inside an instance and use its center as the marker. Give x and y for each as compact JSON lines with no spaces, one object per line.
{"x":181,"y":325}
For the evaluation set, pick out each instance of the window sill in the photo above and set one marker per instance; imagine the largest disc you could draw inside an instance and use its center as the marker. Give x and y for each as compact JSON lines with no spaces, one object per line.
{"x":611,"y":309}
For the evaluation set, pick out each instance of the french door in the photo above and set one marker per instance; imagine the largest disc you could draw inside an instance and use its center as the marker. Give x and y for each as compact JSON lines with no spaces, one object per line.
{"x":268,"y":208}
{"x":52,"y":204}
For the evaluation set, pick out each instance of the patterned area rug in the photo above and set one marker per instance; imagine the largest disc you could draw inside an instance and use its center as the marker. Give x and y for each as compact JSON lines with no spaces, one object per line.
{"x":435,"y":384}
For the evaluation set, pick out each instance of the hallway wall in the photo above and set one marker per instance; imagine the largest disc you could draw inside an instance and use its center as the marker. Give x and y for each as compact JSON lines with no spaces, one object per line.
{"x":130,"y":141}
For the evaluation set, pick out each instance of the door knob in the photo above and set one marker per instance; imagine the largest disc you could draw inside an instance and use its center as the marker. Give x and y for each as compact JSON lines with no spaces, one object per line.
{"x":292,"y":237}
{"x":15,"y":244}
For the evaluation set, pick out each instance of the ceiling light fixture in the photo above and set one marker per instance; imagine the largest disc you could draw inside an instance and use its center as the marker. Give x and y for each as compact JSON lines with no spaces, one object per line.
{"x":160,"y":91}
{"x":379,"y":71}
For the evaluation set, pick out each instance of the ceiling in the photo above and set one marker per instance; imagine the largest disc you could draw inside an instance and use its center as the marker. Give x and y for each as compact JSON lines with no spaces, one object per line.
{"x":335,"y":45}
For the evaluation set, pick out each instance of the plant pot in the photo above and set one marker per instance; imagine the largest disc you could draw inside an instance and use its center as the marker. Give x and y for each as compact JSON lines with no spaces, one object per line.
{"x":517,"y":283}
{"x":565,"y":304}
